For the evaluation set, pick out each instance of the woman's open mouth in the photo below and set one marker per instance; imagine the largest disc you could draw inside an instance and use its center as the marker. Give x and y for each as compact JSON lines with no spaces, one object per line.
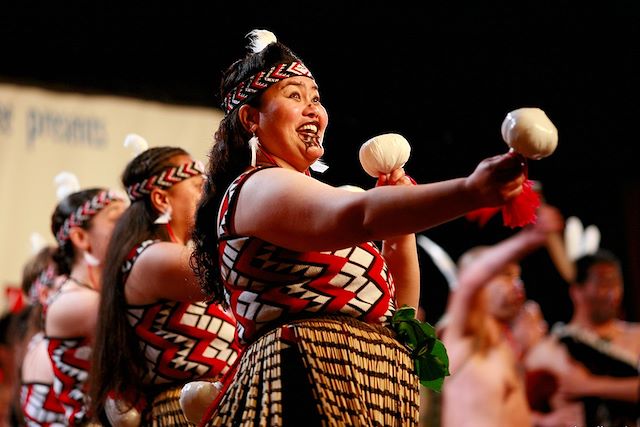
{"x":309,"y":135}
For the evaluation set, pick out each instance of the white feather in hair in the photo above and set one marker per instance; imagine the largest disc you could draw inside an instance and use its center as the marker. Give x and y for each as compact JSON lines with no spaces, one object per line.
{"x":591,"y":241}
{"x":66,"y":183}
{"x":259,"y":39}
{"x":136,"y":143}
{"x":441,"y":259}
{"x":37,"y":242}
{"x":580,"y":241}
{"x":572,"y":237}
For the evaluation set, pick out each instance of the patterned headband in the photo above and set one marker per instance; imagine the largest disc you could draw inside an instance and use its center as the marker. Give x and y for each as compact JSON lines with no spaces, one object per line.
{"x":45,"y":279}
{"x":85,"y":212}
{"x":165,"y":179}
{"x":259,"y":82}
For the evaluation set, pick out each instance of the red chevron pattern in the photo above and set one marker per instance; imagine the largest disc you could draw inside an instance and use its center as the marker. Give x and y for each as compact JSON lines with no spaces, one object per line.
{"x":85,"y":212}
{"x":40,"y":406}
{"x":267,"y":284}
{"x":165,"y":179}
{"x":132,"y":256}
{"x":70,"y":359}
{"x":261,"y":81}
{"x":182,"y":341}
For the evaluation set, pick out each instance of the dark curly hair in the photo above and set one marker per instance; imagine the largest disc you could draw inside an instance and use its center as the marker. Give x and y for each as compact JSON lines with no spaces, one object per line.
{"x":229,"y":157}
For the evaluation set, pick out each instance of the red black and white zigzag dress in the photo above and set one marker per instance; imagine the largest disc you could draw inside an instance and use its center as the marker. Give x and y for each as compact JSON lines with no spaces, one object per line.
{"x":38,"y":401}
{"x":182,"y":341}
{"x":71,"y":359}
{"x":319,"y":352}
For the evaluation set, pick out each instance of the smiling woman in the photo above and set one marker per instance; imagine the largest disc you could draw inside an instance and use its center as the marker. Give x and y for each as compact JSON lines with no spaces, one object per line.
{"x":317,"y":303}
{"x":293,"y":125}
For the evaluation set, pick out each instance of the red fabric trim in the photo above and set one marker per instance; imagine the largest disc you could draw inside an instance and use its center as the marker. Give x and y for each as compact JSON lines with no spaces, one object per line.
{"x":226,"y":381}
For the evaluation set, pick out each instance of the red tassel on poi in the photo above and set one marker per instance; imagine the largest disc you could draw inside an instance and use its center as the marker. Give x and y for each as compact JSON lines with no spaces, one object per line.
{"x":517,"y":212}
{"x":521,"y":210}
{"x":482,"y":215}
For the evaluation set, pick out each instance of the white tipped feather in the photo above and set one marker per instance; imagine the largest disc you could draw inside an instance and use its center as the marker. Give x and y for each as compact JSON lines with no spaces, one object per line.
{"x":580,"y":241}
{"x":253,"y":146}
{"x":259,"y":39}
{"x":37,"y":242}
{"x":591,"y":241}
{"x":136,"y":143}
{"x":573,"y":237}
{"x":66,"y":183}
{"x":441,"y":259}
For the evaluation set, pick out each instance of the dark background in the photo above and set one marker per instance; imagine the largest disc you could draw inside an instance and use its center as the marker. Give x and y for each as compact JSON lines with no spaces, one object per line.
{"x":443,"y":74}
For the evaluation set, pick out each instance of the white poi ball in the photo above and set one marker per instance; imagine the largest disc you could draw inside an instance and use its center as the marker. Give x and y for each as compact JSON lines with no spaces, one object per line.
{"x":384,"y":153}
{"x":196,"y":397}
{"x":530,"y":132}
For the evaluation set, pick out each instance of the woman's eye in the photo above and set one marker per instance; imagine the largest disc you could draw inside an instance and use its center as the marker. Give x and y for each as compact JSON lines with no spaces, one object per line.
{"x":295,"y":95}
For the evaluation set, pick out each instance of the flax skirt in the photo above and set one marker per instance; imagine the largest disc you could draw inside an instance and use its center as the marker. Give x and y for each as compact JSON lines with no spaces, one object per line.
{"x":329,"y":371}
{"x":165,"y":410}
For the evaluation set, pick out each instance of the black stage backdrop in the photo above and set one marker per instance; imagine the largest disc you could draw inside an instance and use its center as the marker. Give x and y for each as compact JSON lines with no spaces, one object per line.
{"x":443,"y":74}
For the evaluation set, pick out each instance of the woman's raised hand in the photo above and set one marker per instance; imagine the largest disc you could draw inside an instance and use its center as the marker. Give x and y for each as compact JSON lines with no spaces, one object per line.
{"x":497,"y":179}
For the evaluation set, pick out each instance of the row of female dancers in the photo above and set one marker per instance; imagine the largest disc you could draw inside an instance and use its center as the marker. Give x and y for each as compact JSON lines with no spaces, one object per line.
{"x":151,"y":328}
{"x":285,"y":290}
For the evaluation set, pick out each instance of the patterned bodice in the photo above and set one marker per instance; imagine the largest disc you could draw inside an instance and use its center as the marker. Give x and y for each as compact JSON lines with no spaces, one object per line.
{"x":266,"y":284}
{"x":70,"y":358}
{"x":182,"y":341}
{"x":40,"y":406}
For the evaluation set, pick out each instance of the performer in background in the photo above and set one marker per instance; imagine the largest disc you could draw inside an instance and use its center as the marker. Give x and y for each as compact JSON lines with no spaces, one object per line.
{"x":605,"y":348}
{"x":155,"y":330}
{"x":82,"y":224}
{"x":486,"y":387}
{"x":39,"y":404}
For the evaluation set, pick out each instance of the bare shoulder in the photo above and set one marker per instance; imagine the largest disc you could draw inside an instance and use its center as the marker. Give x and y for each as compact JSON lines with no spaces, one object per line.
{"x":157,"y":255}
{"x":280,"y":179}
{"x":267,"y":175}
{"x":72,"y":313}
{"x":630,"y":339}
{"x":163,"y":272}
{"x":630,"y":333}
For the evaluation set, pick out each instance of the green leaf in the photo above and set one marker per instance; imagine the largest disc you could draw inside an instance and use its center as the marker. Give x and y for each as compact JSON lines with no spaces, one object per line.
{"x":435,"y":385}
{"x":429,"y":354}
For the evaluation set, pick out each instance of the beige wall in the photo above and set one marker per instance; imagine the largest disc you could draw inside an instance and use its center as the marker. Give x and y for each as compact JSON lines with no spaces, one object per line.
{"x":43,"y":133}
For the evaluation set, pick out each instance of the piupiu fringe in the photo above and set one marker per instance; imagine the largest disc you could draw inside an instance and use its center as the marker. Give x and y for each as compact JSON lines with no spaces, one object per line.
{"x":328,"y":371}
{"x":166,"y":411}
